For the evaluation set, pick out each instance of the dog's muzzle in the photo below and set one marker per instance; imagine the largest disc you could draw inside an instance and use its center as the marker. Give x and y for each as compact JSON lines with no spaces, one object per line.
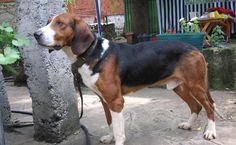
{"x":37,"y":35}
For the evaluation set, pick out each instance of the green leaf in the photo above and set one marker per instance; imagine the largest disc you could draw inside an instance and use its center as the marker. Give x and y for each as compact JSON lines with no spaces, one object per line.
{"x":2,"y":59}
{"x":16,"y":43}
{"x":10,"y":56}
{"x":1,"y":27}
{"x":8,"y":51}
{"x":8,"y":29}
{"x":21,"y":40}
{"x":5,"y":24}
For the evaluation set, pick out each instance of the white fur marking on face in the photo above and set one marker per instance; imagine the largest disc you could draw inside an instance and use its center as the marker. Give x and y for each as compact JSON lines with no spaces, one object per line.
{"x":48,"y":34}
{"x":210,"y":132}
{"x":107,"y":139}
{"x":118,"y":123}
{"x":105,"y":46}
{"x":189,"y":123}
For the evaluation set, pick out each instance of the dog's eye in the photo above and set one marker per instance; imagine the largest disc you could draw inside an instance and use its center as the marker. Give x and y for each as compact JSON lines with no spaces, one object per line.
{"x":58,"y":23}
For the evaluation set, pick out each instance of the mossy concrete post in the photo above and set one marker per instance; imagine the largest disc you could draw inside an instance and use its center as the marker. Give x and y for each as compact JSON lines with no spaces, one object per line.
{"x":221,"y":67}
{"x":4,"y":103}
{"x":50,"y":80}
{"x":2,"y":139}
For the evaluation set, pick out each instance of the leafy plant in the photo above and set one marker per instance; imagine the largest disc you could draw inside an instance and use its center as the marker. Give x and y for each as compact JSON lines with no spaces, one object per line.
{"x":9,"y":44}
{"x":189,"y":26}
{"x":69,"y":2}
{"x":6,"y":5}
{"x":217,"y":36}
{"x":195,"y":26}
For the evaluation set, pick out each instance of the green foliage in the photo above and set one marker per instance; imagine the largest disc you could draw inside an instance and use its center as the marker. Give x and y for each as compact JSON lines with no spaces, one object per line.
{"x":185,"y":26}
{"x":7,"y":5}
{"x":69,"y":2}
{"x":195,"y":26}
{"x":217,"y":36}
{"x":9,"y":43}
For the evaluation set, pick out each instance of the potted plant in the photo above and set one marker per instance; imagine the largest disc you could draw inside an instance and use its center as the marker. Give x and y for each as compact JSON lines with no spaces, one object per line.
{"x":190,"y":33}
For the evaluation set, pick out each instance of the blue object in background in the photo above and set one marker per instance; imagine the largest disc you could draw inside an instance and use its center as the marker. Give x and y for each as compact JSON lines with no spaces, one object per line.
{"x":98,"y":13}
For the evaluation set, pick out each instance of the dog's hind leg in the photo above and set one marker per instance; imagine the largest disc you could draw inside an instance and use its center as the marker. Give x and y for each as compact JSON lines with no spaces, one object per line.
{"x":201,"y":95}
{"x":183,"y":91}
{"x":193,"y":71}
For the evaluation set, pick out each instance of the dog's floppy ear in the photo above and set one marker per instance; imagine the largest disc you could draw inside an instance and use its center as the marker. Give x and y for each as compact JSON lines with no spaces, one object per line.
{"x":83,"y":37}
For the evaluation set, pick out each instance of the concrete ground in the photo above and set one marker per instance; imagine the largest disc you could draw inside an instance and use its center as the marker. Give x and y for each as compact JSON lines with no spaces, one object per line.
{"x":151,"y":115}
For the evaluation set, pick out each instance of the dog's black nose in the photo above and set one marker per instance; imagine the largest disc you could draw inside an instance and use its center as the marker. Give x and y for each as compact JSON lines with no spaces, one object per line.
{"x":37,"y":35}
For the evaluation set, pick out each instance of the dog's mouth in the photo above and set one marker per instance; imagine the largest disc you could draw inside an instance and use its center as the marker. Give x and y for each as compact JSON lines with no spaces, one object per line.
{"x":57,"y":47}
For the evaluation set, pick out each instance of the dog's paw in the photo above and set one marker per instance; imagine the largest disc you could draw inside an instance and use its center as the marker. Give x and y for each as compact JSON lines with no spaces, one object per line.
{"x":107,"y":139}
{"x":185,"y":125}
{"x":210,"y":133}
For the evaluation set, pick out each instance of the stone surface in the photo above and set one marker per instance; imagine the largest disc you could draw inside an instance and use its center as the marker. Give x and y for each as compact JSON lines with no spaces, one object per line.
{"x":151,"y":116}
{"x":4,"y":103}
{"x":2,"y":140}
{"x":221,"y":67}
{"x":50,"y":80}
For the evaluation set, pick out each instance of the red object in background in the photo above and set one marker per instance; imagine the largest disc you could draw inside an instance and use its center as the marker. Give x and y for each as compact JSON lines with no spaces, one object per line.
{"x":86,"y":8}
{"x":6,"y":1}
{"x":153,"y":38}
{"x":223,"y":10}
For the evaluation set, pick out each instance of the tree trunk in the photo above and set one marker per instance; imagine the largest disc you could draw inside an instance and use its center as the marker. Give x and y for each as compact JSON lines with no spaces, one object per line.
{"x":50,"y":80}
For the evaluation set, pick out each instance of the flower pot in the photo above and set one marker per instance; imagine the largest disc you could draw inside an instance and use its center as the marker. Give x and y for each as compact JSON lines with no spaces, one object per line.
{"x":130,"y":37}
{"x":193,"y":38}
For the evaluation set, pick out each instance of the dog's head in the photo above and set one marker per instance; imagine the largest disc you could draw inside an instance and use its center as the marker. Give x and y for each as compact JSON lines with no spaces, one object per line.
{"x":65,"y":30}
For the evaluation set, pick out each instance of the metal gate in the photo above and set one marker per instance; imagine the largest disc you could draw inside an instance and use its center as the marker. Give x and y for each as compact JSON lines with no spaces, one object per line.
{"x":170,"y":11}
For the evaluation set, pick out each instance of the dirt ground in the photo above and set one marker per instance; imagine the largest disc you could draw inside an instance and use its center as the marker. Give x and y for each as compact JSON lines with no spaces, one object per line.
{"x":151,"y":115}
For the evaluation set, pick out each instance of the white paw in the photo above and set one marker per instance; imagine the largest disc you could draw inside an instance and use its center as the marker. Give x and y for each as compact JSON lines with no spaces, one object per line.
{"x":210,"y":132}
{"x":121,"y":143}
{"x":107,"y":139}
{"x":185,"y":125}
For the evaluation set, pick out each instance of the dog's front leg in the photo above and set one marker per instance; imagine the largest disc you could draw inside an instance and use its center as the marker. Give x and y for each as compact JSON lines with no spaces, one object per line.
{"x":107,"y":139}
{"x":118,"y":127}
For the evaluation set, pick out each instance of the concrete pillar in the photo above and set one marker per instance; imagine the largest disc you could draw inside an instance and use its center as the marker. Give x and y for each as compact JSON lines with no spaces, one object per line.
{"x":50,"y":80}
{"x":2,"y":139}
{"x":4,"y":103}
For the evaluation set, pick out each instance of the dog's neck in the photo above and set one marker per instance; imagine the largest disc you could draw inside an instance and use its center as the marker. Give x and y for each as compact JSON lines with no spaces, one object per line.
{"x":71,"y":56}
{"x":83,"y":57}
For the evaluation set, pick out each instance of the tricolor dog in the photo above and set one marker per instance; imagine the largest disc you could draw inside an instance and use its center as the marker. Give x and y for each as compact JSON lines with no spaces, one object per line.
{"x":113,"y":70}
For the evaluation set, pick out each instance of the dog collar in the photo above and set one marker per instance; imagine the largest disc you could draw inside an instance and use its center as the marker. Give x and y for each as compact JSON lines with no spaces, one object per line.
{"x":83,"y":57}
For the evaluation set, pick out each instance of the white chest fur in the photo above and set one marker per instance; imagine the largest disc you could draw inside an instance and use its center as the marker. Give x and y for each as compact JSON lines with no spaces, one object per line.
{"x":88,"y":78}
